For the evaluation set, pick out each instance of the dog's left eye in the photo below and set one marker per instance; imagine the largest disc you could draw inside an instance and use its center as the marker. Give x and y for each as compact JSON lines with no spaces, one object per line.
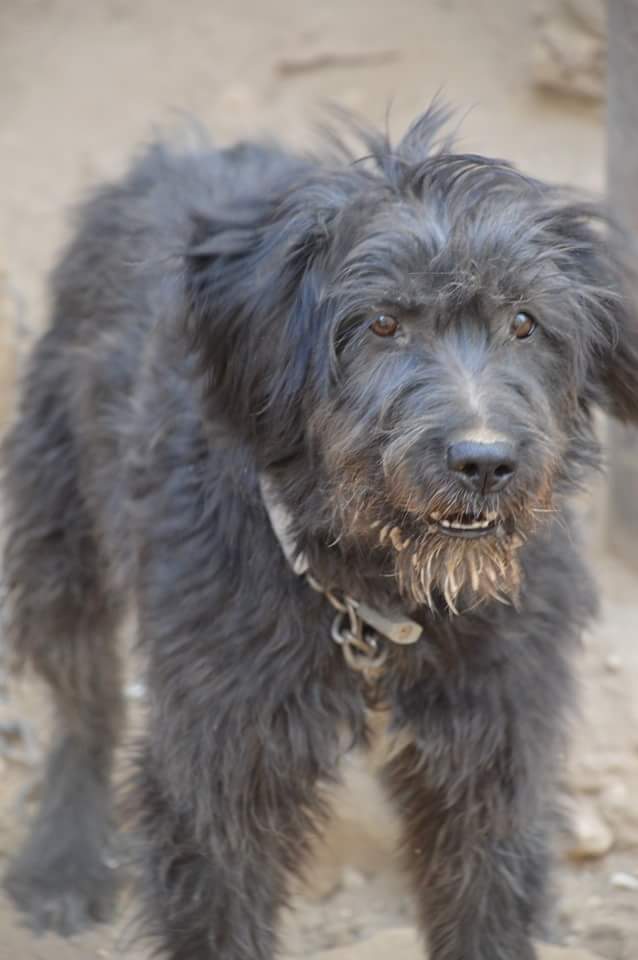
{"x":523,"y":326}
{"x":384,"y":325}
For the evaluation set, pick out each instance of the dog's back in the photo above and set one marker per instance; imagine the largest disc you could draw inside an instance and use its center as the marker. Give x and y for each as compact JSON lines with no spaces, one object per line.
{"x":117,"y":297}
{"x":70,"y":463}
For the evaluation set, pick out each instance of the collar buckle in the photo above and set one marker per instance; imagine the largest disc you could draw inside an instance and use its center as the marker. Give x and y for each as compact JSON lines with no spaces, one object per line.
{"x":358,"y":628}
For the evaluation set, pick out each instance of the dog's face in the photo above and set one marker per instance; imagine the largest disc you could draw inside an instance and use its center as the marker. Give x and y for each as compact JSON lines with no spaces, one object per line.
{"x":449,"y":325}
{"x":462,"y":342}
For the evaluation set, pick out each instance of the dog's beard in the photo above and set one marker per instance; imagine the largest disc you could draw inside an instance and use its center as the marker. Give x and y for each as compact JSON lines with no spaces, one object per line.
{"x":429,"y":564}
{"x":463,"y":572}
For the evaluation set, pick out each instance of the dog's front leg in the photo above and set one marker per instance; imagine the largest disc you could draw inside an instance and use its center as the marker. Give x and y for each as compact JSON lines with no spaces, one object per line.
{"x":474,"y":791}
{"x":228,"y":788}
{"x":243,"y":728}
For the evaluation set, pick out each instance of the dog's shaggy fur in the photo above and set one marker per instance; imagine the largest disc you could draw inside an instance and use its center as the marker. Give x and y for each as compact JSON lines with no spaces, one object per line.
{"x":214,"y":322}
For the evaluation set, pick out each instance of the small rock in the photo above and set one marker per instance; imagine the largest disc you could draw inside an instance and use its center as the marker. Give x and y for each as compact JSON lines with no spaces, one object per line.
{"x":136,"y":691}
{"x":590,"y":836}
{"x":618,"y":808}
{"x":352,"y":879}
{"x":615,"y":796}
{"x":624,"y":881}
{"x":613,"y":663}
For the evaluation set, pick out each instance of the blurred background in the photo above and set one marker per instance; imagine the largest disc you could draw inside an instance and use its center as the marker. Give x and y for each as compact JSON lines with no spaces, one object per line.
{"x":85,"y":82}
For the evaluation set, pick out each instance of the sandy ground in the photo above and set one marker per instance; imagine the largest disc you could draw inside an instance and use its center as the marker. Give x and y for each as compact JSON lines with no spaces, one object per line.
{"x":83,"y":83}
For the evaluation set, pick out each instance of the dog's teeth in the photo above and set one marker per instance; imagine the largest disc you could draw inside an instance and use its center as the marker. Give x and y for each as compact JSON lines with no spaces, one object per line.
{"x":449,"y":598}
{"x":485,"y":523}
{"x":474,"y":575}
{"x":384,"y":532}
{"x":395,"y":537}
{"x":426,"y":579}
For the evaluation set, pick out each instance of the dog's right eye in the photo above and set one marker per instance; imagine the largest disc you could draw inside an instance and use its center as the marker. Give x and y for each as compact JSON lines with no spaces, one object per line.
{"x":384,"y":325}
{"x":523,"y":325}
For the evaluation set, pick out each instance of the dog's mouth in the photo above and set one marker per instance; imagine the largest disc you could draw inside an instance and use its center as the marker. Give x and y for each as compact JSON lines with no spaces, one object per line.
{"x":466,"y":526}
{"x":469,"y":553}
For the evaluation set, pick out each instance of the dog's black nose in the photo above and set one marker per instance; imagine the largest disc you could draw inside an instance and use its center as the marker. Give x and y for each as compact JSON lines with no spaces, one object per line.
{"x":482,"y":467}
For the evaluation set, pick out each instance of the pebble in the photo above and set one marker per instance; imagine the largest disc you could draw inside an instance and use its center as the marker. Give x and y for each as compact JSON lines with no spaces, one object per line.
{"x":613,"y":663}
{"x":136,"y":691}
{"x":591,"y":838}
{"x":624,"y":881}
{"x":352,"y":879}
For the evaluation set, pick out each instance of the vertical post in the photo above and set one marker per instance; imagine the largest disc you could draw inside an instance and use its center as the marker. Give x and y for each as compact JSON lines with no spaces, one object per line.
{"x":622,"y":180}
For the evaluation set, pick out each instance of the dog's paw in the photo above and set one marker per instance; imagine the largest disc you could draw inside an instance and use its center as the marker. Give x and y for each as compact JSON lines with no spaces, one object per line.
{"x":60,"y":900}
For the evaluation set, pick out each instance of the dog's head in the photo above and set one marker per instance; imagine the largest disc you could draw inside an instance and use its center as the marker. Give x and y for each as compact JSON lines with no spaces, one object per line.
{"x":427,"y":332}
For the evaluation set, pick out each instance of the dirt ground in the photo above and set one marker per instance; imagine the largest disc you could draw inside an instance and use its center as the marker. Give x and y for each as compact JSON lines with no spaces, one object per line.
{"x":83,"y":83}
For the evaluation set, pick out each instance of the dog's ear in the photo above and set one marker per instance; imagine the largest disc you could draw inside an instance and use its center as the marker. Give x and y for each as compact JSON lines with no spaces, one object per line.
{"x":617,"y":367}
{"x":253,"y":284}
{"x":601,"y":259}
{"x":620,"y":366}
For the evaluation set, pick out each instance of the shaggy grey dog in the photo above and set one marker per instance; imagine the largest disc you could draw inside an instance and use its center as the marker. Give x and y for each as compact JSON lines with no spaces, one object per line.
{"x":379,"y":372}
